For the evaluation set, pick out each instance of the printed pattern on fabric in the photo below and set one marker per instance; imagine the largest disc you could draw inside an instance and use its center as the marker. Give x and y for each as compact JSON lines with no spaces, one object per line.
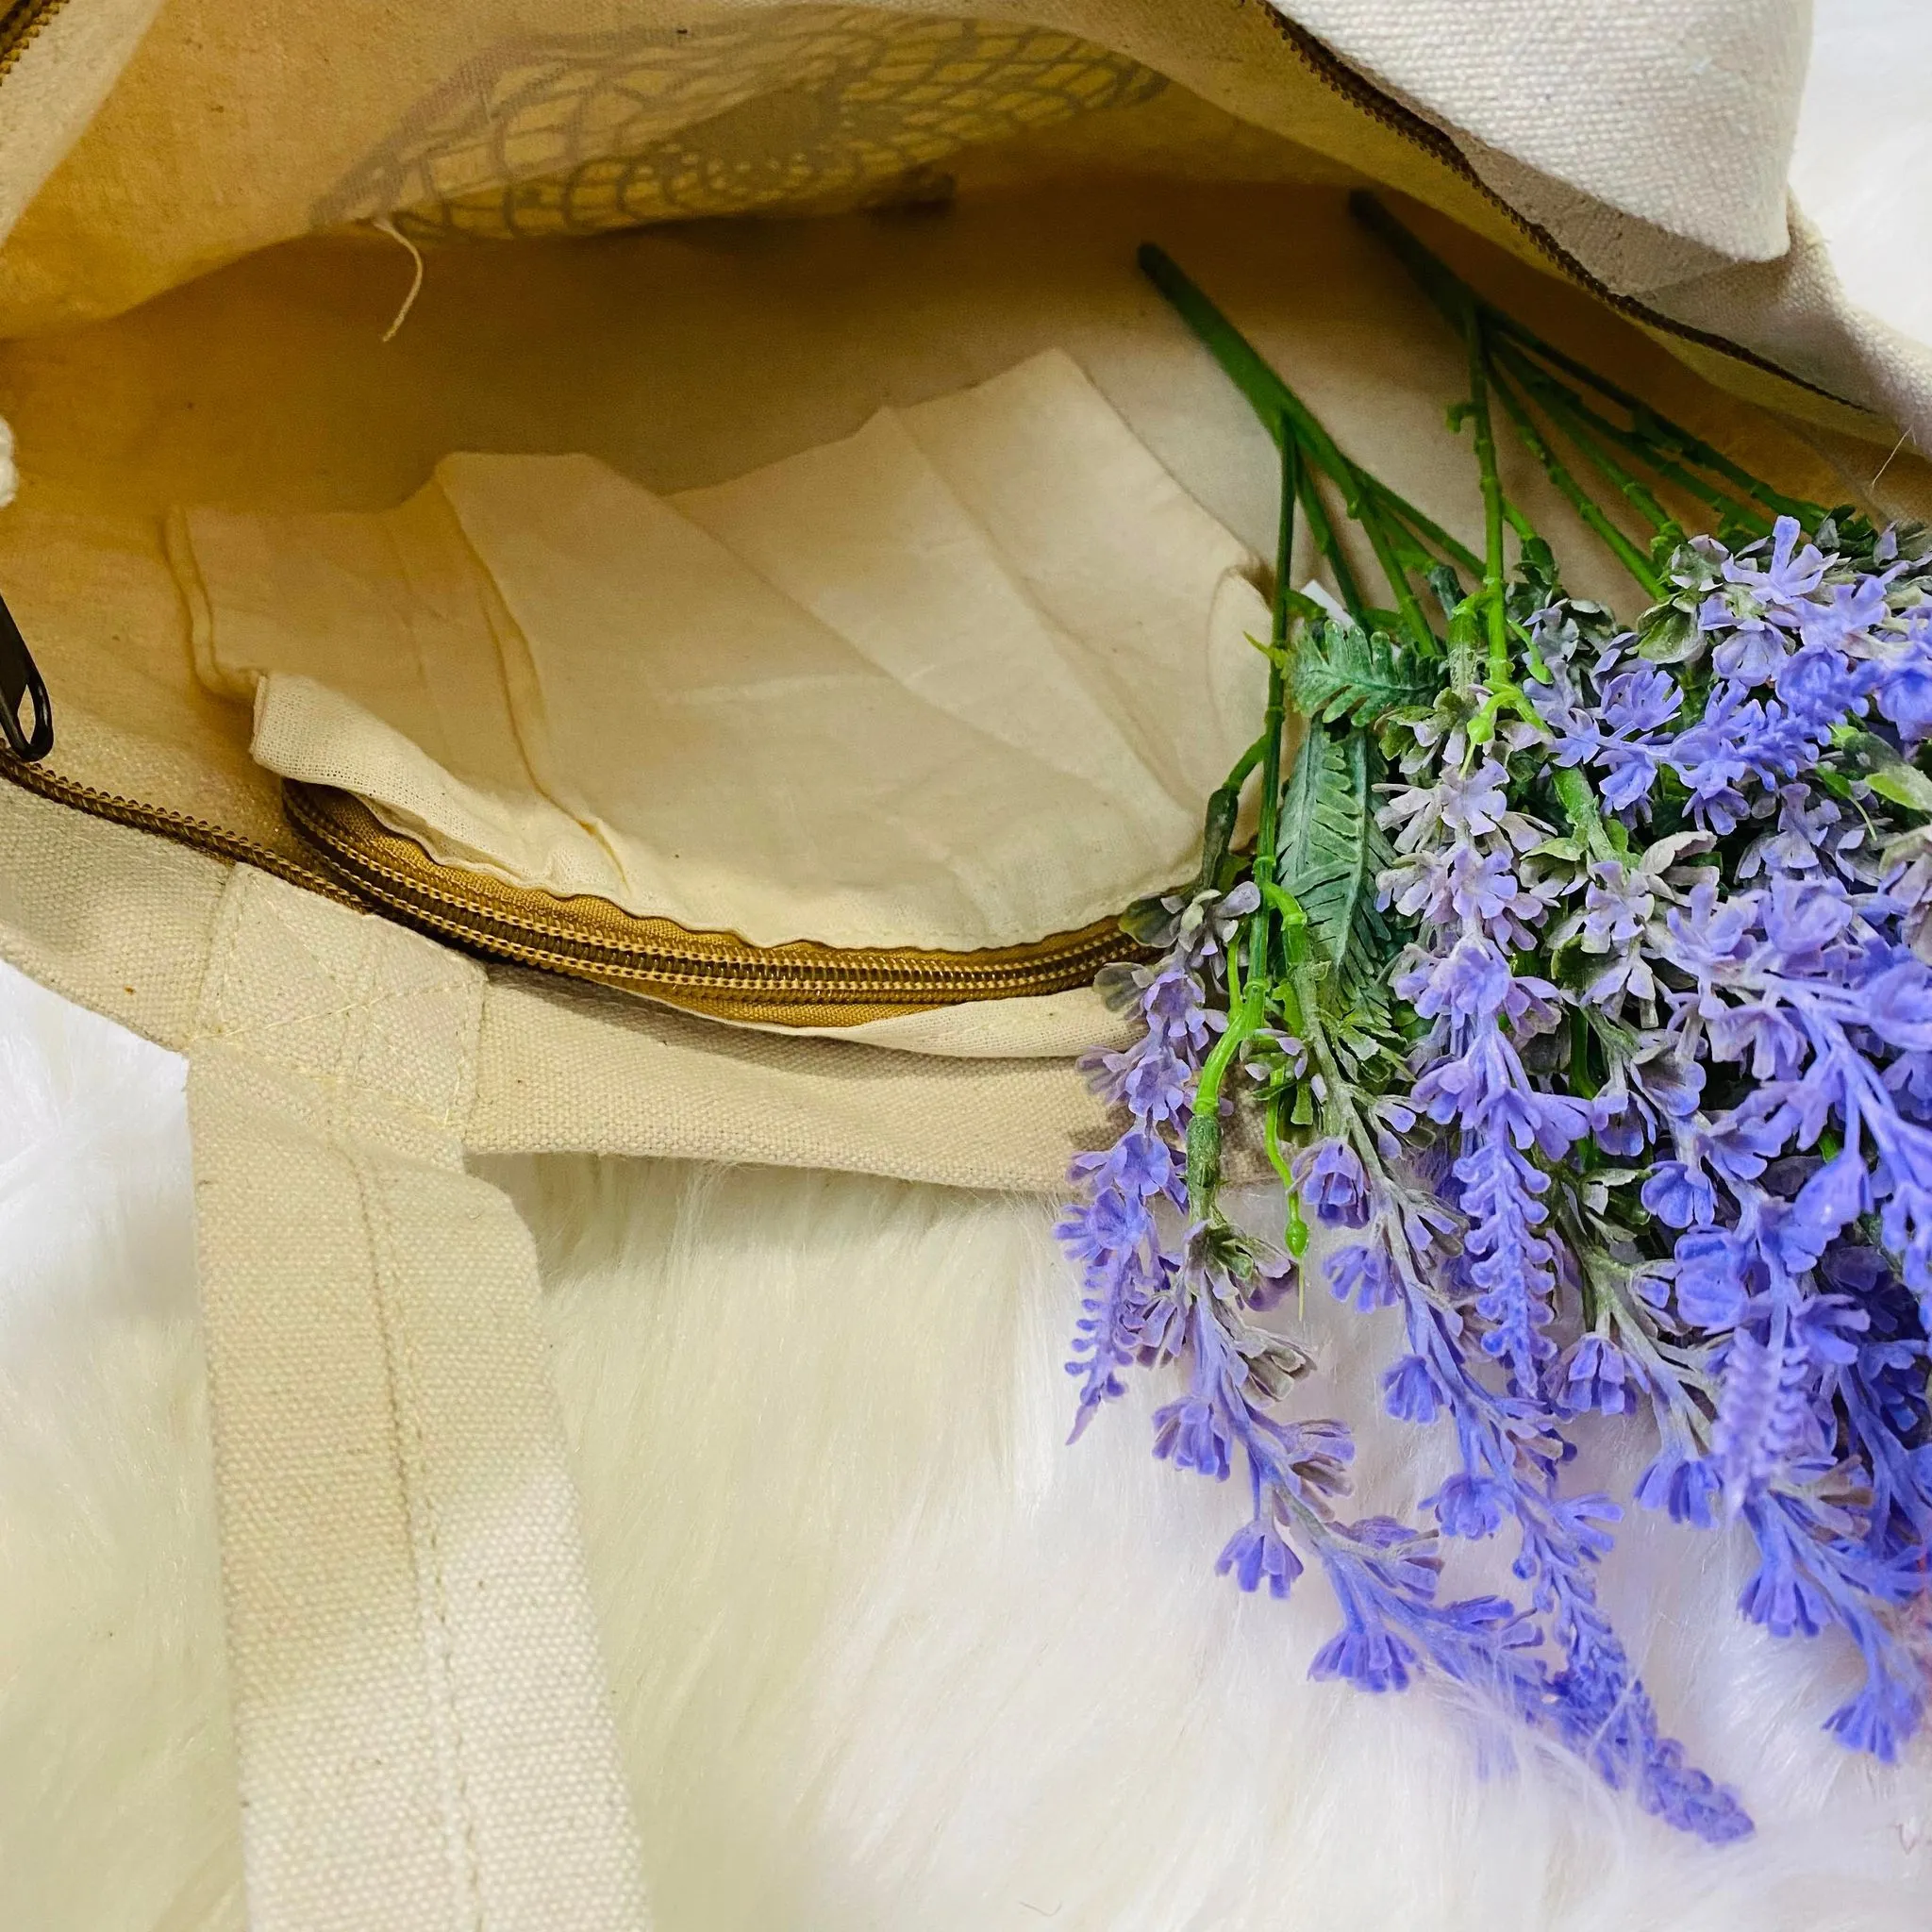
{"x":575,"y":133}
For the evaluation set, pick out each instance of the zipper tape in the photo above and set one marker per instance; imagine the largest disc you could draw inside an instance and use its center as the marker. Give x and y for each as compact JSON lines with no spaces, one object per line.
{"x":715,"y":973}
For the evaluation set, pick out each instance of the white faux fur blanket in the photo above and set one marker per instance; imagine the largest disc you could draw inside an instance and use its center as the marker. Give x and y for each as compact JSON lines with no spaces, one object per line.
{"x":888,"y":1655}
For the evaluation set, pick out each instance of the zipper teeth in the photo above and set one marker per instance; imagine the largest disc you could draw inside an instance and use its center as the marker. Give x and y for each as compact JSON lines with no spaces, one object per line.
{"x":19,"y":23}
{"x":198,"y":835}
{"x":1368,"y":99}
{"x":391,"y":870}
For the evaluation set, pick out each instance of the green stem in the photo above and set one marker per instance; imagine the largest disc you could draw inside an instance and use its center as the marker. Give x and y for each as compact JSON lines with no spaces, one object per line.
{"x":1651,"y":455}
{"x":1446,"y":289}
{"x":1656,"y":428}
{"x":1295,"y":1232}
{"x":1248,"y":1009}
{"x":1517,"y":519}
{"x":1268,"y":396}
{"x":1260,"y":926}
{"x":1626,"y":552}
{"x":1224,"y":809}
{"x":1237,"y":773}
{"x":1245,"y":1020}
{"x":1580,"y":807}
{"x":1321,"y":532}
{"x":1284,"y":412}
{"x":1561,"y":407}
{"x":1428,"y":531}
{"x":1495,"y":618}
{"x":1375,"y":524}
{"x":1275,"y":718}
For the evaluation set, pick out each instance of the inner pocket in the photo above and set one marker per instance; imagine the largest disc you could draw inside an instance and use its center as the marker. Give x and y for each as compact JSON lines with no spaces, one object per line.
{"x":957,"y":682}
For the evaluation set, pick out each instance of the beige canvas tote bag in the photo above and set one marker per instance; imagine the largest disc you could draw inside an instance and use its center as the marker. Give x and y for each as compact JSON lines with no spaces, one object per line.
{"x":645,"y":578}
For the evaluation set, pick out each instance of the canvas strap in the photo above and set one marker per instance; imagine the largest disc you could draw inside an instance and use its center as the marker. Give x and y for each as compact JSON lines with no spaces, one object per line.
{"x":424,"y":1733}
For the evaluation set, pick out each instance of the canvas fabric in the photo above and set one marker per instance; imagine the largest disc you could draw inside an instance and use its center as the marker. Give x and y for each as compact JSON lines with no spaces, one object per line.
{"x":424,"y":1733}
{"x":1675,"y":114}
{"x":424,"y":1736}
{"x":423,"y":1725}
{"x":125,"y":924}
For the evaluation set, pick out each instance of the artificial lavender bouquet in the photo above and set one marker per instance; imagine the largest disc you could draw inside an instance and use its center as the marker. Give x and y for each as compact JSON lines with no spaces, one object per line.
{"x":1577,"y":977}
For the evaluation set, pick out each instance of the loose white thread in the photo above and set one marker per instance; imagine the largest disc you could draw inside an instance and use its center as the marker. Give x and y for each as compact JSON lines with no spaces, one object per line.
{"x":1887,"y":463}
{"x":384,"y":226}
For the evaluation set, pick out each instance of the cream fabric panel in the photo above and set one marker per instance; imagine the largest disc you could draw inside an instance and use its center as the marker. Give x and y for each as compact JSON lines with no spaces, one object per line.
{"x":423,"y":1724}
{"x":1680,"y":112}
{"x":1633,"y":133}
{"x":114,"y":921}
{"x":579,"y":1069}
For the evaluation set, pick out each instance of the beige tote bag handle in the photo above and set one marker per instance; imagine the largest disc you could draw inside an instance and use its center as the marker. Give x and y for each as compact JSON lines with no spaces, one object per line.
{"x":424,"y":1732}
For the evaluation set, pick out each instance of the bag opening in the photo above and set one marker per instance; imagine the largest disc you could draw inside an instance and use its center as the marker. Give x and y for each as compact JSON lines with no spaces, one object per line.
{"x":563,"y":423}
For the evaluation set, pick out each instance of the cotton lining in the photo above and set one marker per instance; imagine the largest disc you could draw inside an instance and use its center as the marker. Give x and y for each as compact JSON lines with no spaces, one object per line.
{"x":962,"y":679}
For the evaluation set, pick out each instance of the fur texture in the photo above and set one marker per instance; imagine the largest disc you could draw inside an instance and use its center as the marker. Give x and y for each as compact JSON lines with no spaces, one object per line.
{"x":1864,"y":154}
{"x":887,"y":1654}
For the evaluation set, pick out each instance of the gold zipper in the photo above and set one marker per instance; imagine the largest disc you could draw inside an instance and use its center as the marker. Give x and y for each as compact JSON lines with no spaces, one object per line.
{"x":367,"y":866}
{"x":799,"y":984}
{"x":199,"y":835}
{"x":19,"y":23}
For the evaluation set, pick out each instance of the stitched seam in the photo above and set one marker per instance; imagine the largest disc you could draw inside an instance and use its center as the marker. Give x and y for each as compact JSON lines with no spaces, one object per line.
{"x":381,"y":944}
{"x":228,"y":929}
{"x":405,"y":1381}
{"x":449,"y":991}
{"x":432,"y":1585}
{"x":466,"y":1009}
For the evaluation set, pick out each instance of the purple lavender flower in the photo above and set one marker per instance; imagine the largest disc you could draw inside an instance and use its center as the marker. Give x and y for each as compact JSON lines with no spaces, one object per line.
{"x":1617,"y":905}
{"x":1812,"y":835}
{"x":1662,"y":1138}
{"x":1127,"y":1301}
{"x":1781,"y":589}
{"x":1683,"y":1483}
{"x":1332,"y":1181}
{"x":1502,"y":1117}
{"x":1639,"y":701}
{"x":1471,"y":1506}
{"x":1594,"y":1704}
{"x":1410,"y":1392}
{"x":1361,"y":1274}
{"x":1257,"y":1552}
{"x":1597,"y":1376}
{"x":1905,"y":693}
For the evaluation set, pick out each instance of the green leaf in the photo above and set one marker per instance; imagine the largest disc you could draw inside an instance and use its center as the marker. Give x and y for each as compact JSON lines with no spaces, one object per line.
{"x":1904,"y":785}
{"x":1148,"y":922}
{"x":1668,"y":635}
{"x":1884,"y":769}
{"x":1330,"y":851}
{"x":1447,"y":587}
{"x":1344,"y":672}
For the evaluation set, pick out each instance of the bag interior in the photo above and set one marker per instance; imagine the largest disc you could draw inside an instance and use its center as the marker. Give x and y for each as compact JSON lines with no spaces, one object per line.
{"x":940,"y":422}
